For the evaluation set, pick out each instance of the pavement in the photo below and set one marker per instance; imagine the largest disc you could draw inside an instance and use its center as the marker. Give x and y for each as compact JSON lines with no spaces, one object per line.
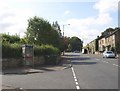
{"x":87,"y":72}
{"x":64,"y":64}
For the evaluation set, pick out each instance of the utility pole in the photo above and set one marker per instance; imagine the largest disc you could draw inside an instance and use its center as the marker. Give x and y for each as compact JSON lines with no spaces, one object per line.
{"x":63,"y":33}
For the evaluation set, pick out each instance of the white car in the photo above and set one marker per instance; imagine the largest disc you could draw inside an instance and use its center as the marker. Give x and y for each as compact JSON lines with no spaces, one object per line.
{"x":108,"y":54}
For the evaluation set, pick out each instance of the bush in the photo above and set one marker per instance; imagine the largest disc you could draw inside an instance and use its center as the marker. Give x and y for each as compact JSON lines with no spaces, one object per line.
{"x":15,"y":51}
{"x":46,"y":50}
{"x":49,"y":52}
{"x":52,"y":59}
{"x":11,"y":50}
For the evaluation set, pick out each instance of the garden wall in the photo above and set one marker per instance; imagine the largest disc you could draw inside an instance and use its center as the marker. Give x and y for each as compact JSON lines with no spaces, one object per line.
{"x":38,"y":61}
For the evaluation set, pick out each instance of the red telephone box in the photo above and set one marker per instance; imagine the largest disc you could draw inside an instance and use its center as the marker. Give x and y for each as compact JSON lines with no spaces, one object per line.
{"x":28,"y":54}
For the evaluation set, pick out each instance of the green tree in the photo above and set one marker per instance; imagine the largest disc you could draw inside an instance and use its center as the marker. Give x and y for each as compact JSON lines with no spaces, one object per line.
{"x":66,"y":41}
{"x":24,"y":41}
{"x":40,"y":31}
{"x":59,"y":42}
{"x":56,"y":26}
{"x":112,"y":49}
{"x":76,"y":44}
{"x":107,"y":31}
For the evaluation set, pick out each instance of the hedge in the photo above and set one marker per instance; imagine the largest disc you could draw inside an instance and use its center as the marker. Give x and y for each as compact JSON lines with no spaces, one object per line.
{"x":15,"y":50}
{"x":11,"y":50}
{"x":46,"y":50}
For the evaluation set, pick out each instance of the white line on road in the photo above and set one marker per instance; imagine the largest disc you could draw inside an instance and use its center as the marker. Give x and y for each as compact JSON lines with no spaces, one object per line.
{"x":105,"y":61}
{"x":76,"y":82}
{"x":77,"y":87}
{"x":108,"y":62}
{"x":22,"y":89}
{"x":115,"y":64}
{"x":112,"y":64}
{"x":74,"y":77}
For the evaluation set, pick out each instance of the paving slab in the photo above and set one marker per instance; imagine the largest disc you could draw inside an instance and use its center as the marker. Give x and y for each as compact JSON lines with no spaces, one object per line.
{"x":39,"y":69}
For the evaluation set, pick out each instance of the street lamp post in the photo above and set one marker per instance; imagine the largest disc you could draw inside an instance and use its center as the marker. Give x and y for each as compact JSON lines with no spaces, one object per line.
{"x":63,"y":34}
{"x":33,"y":52}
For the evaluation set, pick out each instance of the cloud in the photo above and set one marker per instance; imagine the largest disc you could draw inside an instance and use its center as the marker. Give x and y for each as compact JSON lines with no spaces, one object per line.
{"x":103,"y":19}
{"x":105,"y":6}
{"x":67,"y":12}
{"x":13,"y":20}
{"x":82,"y":31}
{"x":89,"y":28}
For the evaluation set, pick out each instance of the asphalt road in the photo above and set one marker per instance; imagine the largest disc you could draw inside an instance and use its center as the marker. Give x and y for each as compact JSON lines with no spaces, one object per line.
{"x":95,"y":72}
{"x":87,"y":72}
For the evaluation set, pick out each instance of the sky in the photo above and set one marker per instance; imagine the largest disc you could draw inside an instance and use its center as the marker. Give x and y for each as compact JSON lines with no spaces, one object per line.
{"x":87,"y":18}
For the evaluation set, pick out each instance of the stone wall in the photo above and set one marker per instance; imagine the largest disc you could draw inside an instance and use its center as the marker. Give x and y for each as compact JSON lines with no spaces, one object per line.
{"x":21,"y":62}
{"x":39,"y":60}
{"x":11,"y":63}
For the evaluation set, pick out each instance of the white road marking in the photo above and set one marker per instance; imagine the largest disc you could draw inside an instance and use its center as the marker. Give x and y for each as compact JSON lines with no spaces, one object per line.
{"x":77,"y":87}
{"x":76,"y":83}
{"x":75,"y":78}
{"x":73,"y":71}
{"x":112,"y":64}
{"x":108,"y":62}
{"x":22,"y":89}
{"x":116,"y":65}
{"x":74,"y":75}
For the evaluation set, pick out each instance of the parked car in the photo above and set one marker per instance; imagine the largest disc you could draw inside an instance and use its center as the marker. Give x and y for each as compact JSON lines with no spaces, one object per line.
{"x":108,"y":54}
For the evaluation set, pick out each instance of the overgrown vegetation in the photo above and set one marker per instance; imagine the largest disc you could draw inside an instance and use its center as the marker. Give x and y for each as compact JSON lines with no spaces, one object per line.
{"x":15,"y":50}
{"x":46,"y":50}
{"x":40,"y":31}
{"x":11,"y":50}
{"x":46,"y":38}
{"x":10,"y":38}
